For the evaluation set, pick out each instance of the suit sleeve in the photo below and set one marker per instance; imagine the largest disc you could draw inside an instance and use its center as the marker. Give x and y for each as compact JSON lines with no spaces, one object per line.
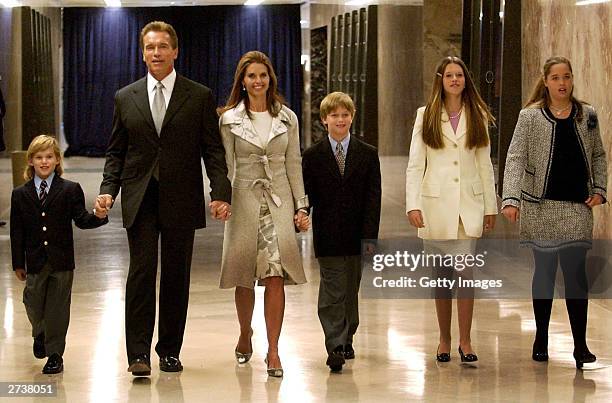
{"x":115,"y":154}
{"x":516,"y":161}
{"x":487,"y":177}
{"x":416,"y":165}
{"x":309,"y":179}
{"x":82,"y":218}
{"x":213,"y":153}
{"x":17,"y":233}
{"x":293,"y":165}
{"x":371,"y":219}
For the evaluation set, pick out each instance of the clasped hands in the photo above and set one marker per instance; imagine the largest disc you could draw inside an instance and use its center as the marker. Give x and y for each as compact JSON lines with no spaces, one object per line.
{"x":220,"y":210}
{"x":102,"y":205}
{"x":301,"y":221}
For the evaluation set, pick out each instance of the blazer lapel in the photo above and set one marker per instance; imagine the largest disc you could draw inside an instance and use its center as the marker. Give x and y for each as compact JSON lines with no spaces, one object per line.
{"x":279,"y":125}
{"x":353,"y":158}
{"x":447,"y":129}
{"x":31,"y":192}
{"x":56,"y":187}
{"x":329,"y":158}
{"x":141,"y":99}
{"x":180,"y":94}
{"x":240,"y":125}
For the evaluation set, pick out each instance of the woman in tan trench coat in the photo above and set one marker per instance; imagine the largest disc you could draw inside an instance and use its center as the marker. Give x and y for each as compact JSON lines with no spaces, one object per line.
{"x":261,"y":141}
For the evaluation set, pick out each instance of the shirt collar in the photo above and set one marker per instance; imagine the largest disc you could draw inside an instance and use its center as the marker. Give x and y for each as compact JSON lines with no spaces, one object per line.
{"x":38,"y":180}
{"x":168,"y":82}
{"x":344,"y":142}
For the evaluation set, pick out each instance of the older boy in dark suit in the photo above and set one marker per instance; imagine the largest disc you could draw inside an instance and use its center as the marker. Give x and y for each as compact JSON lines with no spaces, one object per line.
{"x":342,"y":180}
{"x":42,"y":211}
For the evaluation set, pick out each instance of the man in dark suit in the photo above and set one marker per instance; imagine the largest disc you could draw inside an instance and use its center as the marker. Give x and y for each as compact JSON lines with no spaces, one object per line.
{"x":342,"y":180}
{"x":162,"y":126}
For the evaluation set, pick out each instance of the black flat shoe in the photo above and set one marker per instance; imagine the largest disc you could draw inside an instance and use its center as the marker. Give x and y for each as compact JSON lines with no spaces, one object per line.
{"x":140,"y":365}
{"x":39,"y":346}
{"x":54,"y":365}
{"x":442,"y":357}
{"x":539,"y":352}
{"x":170,"y":364}
{"x":469,"y":359}
{"x":584,"y":357}
{"x":349,"y":352}
{"x":335,"y":359}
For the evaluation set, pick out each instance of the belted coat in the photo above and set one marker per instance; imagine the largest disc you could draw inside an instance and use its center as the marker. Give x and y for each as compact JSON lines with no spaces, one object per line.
{"x":273,"y":172}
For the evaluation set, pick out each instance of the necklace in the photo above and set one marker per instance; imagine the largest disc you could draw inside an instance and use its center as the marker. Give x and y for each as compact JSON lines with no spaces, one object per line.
{"x":456,"y":116}
{"x":560,"y":111}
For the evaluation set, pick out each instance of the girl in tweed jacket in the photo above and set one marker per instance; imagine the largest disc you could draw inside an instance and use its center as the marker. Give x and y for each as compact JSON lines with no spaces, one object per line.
{"x":555,"y":174}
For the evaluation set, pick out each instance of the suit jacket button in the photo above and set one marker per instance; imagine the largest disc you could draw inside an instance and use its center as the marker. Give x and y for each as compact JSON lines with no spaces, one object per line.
{"x":46,"y":243}
{"x":456,"y":179}
{"x":43,"y":214}
{"x":44,"y":228}
{"x":455,"y":162}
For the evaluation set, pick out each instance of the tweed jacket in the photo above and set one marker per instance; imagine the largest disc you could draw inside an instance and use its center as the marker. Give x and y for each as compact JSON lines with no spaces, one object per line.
{"x":449,"y":183}
{"x":273,"y":172}
{"x":530,"y":155}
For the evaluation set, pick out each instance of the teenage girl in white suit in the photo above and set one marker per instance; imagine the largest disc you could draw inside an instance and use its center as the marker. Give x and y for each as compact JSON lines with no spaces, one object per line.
{"x":450,"y":187}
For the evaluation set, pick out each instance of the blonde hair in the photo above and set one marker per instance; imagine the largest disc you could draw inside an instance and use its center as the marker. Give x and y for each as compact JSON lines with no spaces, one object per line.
{"x":274,"y":101}
{"x":42,"y":143}
{"x":336,"y":100}
{"x":159,"y":26}
{"x":540,"y":98}
{"x":477,"y":112}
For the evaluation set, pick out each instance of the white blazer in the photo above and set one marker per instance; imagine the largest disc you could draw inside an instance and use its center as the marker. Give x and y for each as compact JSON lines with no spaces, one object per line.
{"x":449,"y":183}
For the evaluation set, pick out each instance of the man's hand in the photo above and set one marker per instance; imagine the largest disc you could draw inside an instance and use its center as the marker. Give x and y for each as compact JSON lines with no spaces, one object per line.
{"x":594,"y":200}
{"x":489,"y":223}
{"x":21,"y":274}
{"x":220,"y":210}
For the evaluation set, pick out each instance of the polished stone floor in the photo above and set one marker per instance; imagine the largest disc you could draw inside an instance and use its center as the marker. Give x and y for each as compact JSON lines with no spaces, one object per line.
{"x":395,"y":344}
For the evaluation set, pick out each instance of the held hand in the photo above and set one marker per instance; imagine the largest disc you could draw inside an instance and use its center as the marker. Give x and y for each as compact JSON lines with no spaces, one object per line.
{"x":489,"y":223}
{"x":511,"y":213}
{"x":416,"y":218}
{"x":301,"y":221}
{"x":594,"y":200}
{"x":220,"y":210}
{"x":21,"y":274}
{"x":103,"y":204}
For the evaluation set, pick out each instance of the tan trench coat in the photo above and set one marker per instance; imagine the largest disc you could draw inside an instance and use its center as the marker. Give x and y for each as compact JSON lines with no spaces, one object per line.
{"x":276,"y":173}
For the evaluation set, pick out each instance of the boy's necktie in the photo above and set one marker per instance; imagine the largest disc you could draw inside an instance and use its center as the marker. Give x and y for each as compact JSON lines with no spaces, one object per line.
{"x":159,"y":107}
{"x":340,"y":158}
{"x":43,"y":194}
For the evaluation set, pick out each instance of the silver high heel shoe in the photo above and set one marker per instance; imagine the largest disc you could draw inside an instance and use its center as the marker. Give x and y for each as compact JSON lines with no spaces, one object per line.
{"x":243,"y":358}
{"x":275,"y":372}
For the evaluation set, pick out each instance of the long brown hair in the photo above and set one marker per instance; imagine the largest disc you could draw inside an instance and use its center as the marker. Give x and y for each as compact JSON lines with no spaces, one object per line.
{"x":475,"y":109}
{"x":274,"y":100}
{"x":540,"y":98}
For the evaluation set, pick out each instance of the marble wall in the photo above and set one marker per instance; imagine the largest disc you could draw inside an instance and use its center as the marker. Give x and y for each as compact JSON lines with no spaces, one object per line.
{"x":442,"y":27}
{"x":584,"y":35}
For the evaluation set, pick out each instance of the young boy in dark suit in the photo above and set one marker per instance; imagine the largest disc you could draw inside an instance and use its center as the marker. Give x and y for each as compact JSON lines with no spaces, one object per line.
{"x":42,"y":211}
{"x":342,"y":180}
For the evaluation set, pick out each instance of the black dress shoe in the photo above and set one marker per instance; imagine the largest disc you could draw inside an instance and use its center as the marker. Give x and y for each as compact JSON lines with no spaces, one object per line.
{"x":170,"y":364}
{"x":583,"y":357}
{"x":442,"y":357}
{"x":540,"y":351}
{"x":54,"y":365}
{"x":469,"y":359}
{"x":140,"y":365}
{"x":39,"y":346}
{"x":335,"y":359}
{"x":349,"y":352}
